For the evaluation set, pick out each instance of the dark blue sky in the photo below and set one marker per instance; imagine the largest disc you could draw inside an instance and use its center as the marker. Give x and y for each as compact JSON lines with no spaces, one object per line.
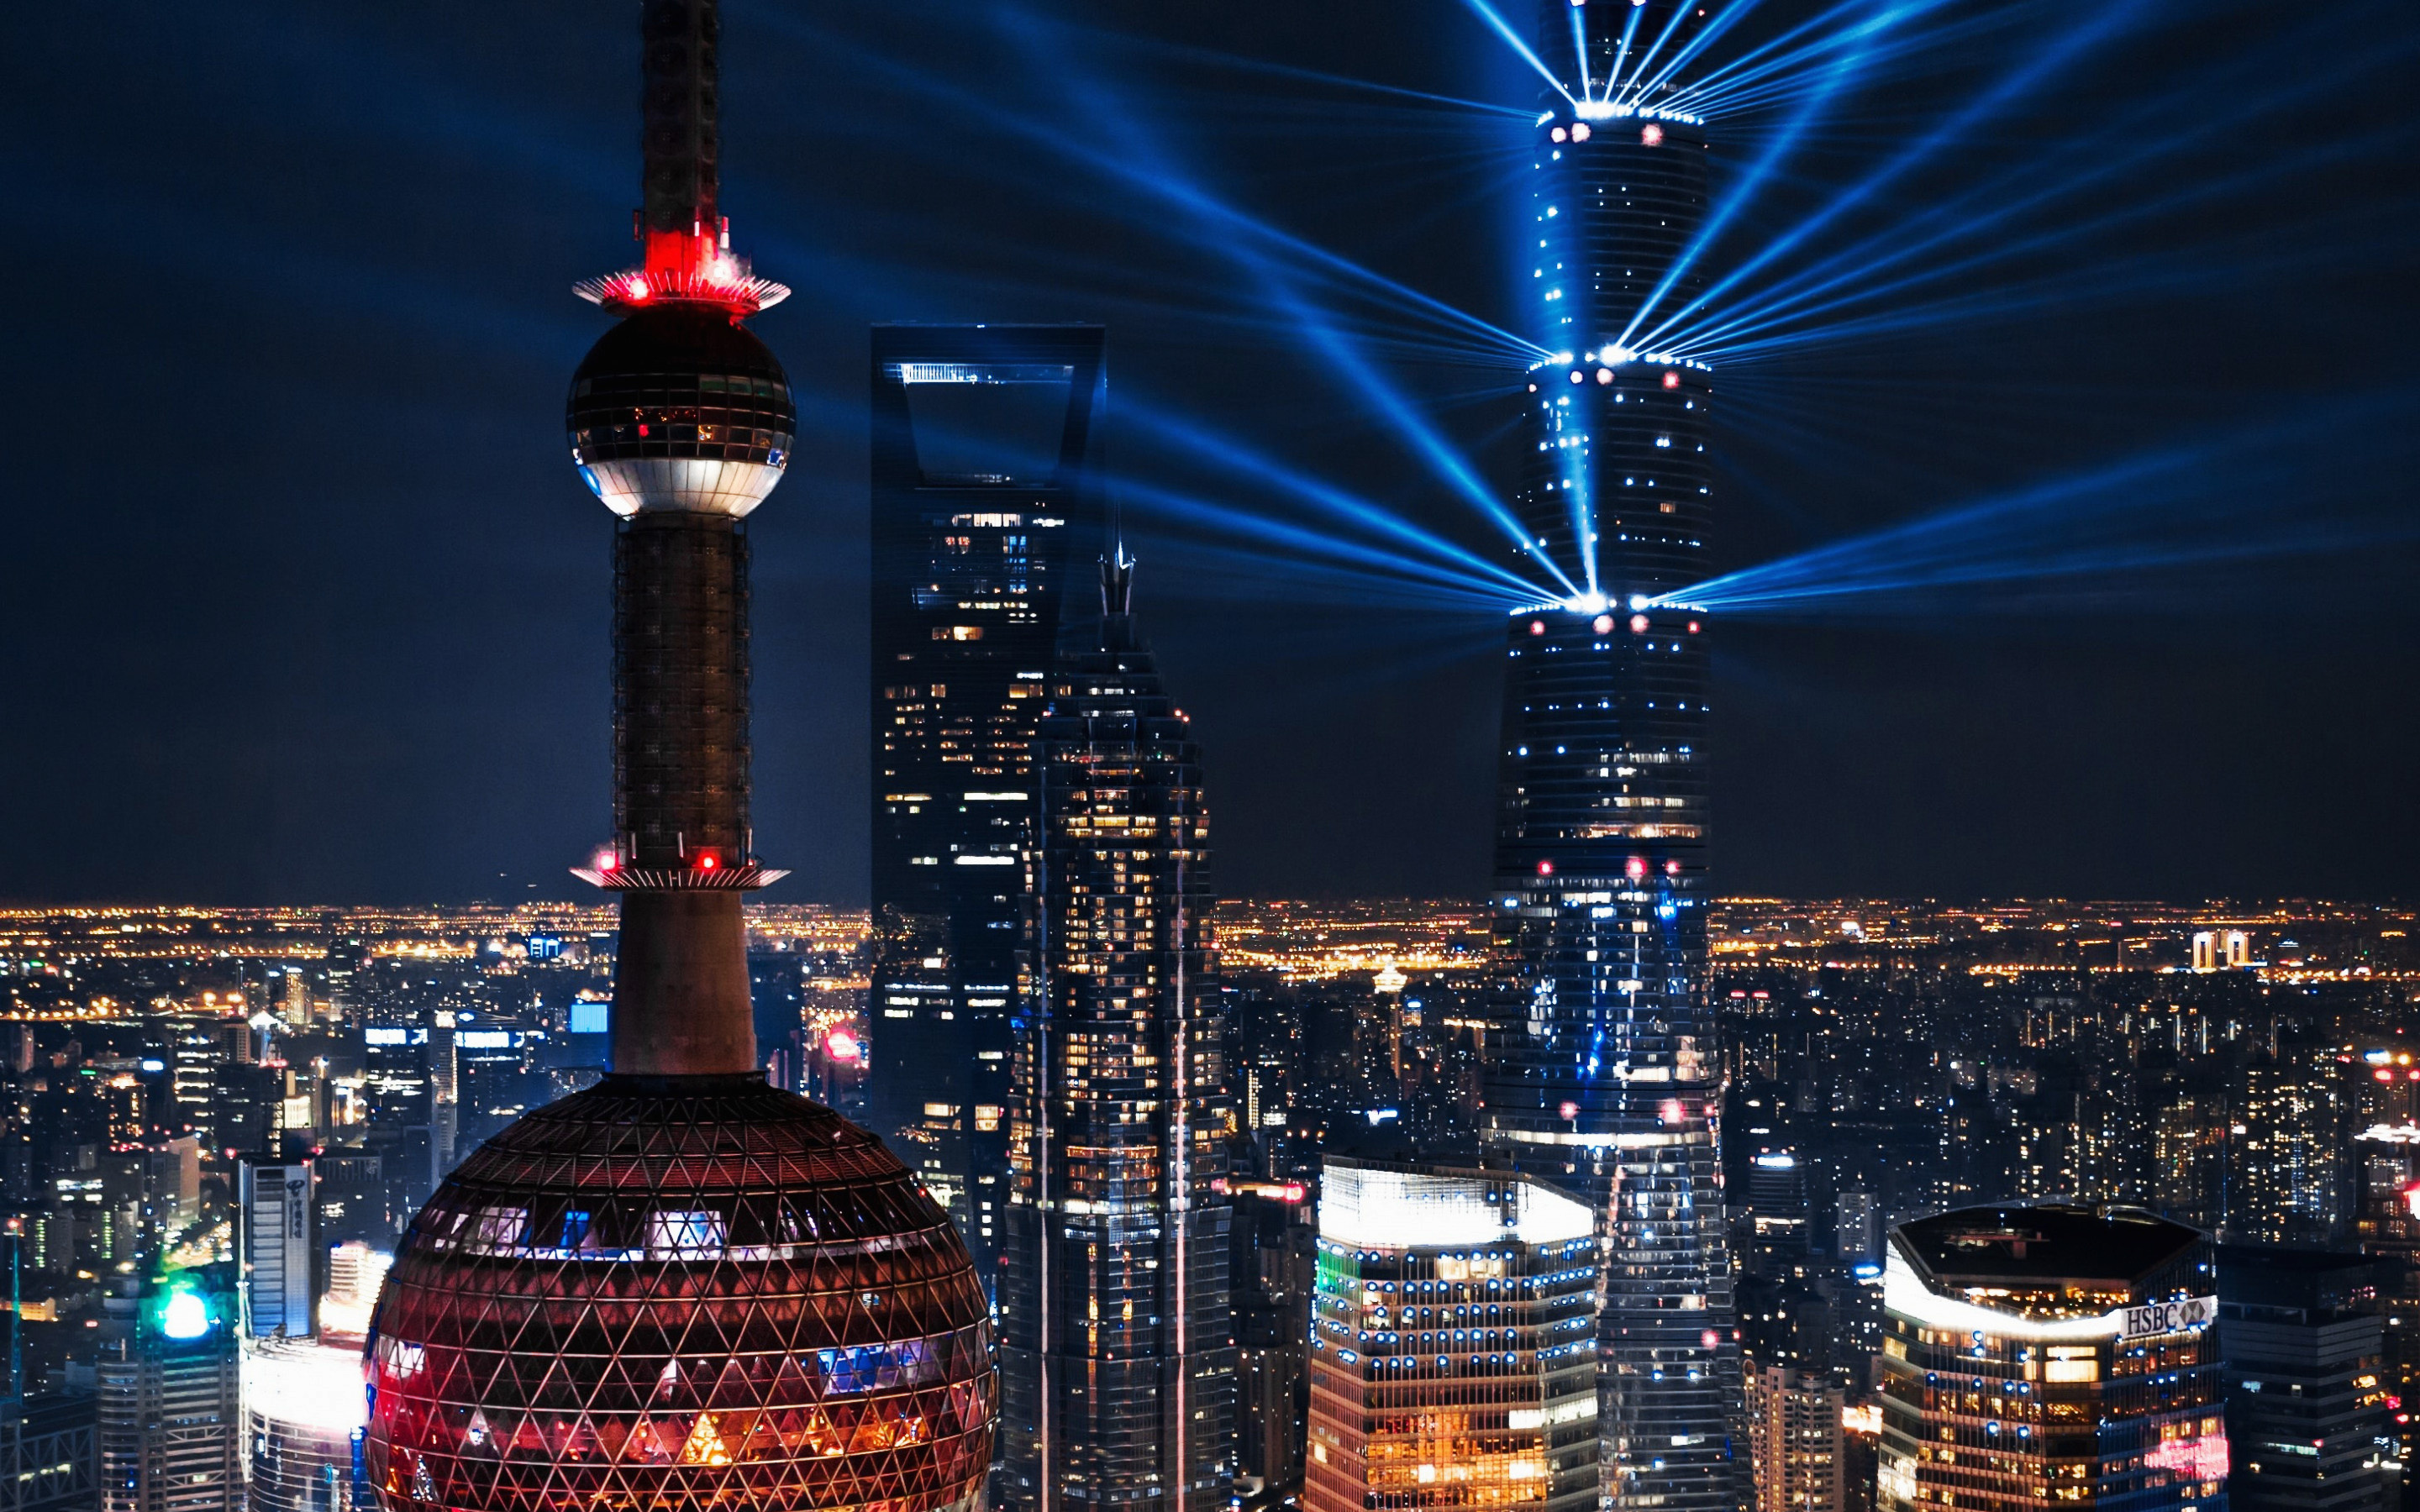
{"x":302,"y":601}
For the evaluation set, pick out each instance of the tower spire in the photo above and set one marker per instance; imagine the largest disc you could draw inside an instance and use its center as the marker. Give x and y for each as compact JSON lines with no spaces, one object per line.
{"x":679,"y":138}
{"x":688,"y":257}
{"x":1117,"y":599}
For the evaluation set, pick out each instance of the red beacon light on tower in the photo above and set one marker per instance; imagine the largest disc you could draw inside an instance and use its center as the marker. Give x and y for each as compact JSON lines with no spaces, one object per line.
{"x":695,"y":266}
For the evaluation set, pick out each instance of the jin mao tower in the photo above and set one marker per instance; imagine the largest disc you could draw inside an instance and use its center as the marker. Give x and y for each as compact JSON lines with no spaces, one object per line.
{"x":680,"y":1288}
{"x":1117,"y":1351}
{"x":1603,"y":1080}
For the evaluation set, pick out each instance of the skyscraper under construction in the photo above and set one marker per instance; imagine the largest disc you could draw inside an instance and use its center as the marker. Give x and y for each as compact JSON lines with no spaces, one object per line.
{"x":1117,"y":1351}
{"x":1602,"y":1075}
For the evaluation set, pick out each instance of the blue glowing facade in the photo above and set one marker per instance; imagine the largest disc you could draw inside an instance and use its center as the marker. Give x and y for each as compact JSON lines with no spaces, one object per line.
{"x":1605,"y":1079}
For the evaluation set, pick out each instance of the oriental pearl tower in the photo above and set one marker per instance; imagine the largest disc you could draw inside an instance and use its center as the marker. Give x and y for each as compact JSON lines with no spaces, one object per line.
{"x":680,"y":1288}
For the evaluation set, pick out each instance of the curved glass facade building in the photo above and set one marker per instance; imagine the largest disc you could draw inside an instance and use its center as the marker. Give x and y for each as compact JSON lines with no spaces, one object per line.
{"x":2055,"y":1354}
{"x":303,"y":1416}
{"x":1602,"y":1075}
{"x":1452,"y":1349}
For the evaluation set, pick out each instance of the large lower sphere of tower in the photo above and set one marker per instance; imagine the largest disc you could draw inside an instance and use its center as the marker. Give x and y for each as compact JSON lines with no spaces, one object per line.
{"x":681,"y":1292}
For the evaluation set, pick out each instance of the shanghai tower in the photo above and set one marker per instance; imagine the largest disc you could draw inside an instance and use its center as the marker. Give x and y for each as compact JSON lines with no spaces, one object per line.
{"x":1603,"y":1078}
{"x":681,"y":1287}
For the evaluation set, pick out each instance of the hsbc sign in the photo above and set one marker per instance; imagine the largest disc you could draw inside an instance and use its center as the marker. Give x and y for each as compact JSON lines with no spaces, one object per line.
{"x":2171,"y":1317}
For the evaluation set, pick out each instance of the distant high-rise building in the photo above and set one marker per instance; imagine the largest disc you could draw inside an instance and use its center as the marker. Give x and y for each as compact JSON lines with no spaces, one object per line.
{"x":1604,"y":1075}
{"x":2306,"y":1404}
{"x":2215,"y":949}
{"x":1856,"y":1226}
{"x":50,"y":1459}
{"x":1273,"y":1264}
{"x":493,"y":1082}
{"x":1778,"y":1213}
{"x":1117,"y":1347}
{"x":168,"y":1430}
{"x":402,"y":1128}
{"x":353,"y":1198}
{"x":2050,"y":1355}
{"x":1793,"y":1435}
{"x":1453,"y":1357}
{"x":277,"y":1240}
{"x":2289,"y":1185}
{"x":247,"y":1109}
{"x":985,"y":498}
{"x":172,"y":1179}
{"x":356,"y":1274}
{"x":2389,"y":1227}
{"x":2188,"y":1154}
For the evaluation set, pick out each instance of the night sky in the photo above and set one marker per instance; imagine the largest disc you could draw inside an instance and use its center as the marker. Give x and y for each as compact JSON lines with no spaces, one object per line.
{"x":302,"y":601}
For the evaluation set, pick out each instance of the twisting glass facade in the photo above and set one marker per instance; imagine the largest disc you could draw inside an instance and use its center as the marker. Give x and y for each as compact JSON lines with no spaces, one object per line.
{"x":681,"y":1292}
{"x":1117,"y":1358}
{"x":1603,"y":1078}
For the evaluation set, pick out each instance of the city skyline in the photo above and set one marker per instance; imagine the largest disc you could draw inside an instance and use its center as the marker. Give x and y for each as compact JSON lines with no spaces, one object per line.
{"x":240,"y":703}
{"x":1619,"y":360}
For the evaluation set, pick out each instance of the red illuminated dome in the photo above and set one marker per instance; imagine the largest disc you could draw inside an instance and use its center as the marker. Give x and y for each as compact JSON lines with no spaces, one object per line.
{"x":669,"y":1292}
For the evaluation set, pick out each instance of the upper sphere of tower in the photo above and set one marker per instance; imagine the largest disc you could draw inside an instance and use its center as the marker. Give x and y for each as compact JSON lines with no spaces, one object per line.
{"x":680,"y":408}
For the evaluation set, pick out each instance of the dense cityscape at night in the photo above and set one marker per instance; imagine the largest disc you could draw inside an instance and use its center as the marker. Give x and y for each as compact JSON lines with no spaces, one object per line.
{"x":1512,"y":756}
{"x":1882,"y":1061}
